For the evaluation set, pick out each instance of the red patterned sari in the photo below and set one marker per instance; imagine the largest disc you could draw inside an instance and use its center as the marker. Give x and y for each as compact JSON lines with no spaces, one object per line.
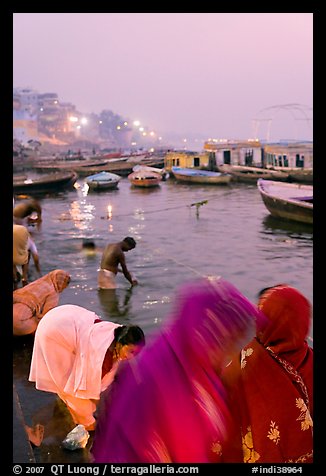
{"x":271,"y":383}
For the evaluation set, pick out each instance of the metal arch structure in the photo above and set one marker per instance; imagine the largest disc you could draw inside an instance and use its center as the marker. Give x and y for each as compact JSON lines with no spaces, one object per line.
{"x":268,"y":115}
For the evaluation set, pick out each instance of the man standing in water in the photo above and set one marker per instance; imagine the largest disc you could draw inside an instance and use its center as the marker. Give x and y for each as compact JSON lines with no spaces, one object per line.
{"x":112,"y":256}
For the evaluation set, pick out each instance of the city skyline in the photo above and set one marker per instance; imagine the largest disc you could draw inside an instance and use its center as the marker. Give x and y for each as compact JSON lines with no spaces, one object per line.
{"x":212,"y":74}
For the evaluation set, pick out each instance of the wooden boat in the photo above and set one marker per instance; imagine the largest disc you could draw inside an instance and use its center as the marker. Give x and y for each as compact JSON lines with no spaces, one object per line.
{"x":243,"y":173}
{"x":298,"y":174}
{"x":290,"y":201}
{"x":61,"y":165}
{"x":103,"y":181}
{"x":199,"y":176}
{"x":145,"y":178}
{"x":53,"y":182}
{"x":147,"y":168}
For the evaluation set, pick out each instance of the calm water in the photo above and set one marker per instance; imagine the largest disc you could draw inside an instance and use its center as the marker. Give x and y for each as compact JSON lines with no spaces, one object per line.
{"x":233,"y":236}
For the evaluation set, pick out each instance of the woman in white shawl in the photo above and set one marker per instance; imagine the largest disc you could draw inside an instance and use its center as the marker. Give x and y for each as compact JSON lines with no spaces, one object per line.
{"x":76,"y":355}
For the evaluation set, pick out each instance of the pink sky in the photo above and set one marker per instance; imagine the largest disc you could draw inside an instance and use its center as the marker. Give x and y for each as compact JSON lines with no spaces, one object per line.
{"x":203,"y":73}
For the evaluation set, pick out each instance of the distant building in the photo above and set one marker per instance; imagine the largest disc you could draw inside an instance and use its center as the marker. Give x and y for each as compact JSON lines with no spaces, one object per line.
{"x":24,"y":126}
{"x":291,"y":154}
{"x":25,"y":105}
{"x":236,"y":152}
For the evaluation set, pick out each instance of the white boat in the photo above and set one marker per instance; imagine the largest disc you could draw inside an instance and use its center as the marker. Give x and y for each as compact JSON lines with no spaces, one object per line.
{"x":145,"y":178}
{"x":147,"y":168}
{"x":290,"y":201}
{"x":200,"y":176}
{"x":103,"y":181}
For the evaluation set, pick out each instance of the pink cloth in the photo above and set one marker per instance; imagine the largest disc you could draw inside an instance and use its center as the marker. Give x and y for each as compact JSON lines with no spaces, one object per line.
{"x":33,"y":301}
{"x":68,"y":353}
{"x":168,"y":403}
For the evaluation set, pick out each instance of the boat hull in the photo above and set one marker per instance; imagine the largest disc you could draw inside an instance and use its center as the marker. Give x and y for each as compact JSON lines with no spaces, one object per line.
{"x":202,"y":180}
{"x":50,"y":183}
{"x":144,"y":179}
{"x":103,"y":181}
{"x":297,"y":174}
{"x":252,"y":174}
{"x":202,"y":177}
{"x":102,"y":185}
{"x":296,"y":206}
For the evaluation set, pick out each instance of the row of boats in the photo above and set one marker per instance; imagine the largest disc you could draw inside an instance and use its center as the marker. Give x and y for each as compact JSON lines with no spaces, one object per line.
{"x":290,"y":201}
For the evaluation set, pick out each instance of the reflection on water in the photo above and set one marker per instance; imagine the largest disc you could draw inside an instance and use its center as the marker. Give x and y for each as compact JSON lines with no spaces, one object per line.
{"x":292,"y":228}
{"x":115,"y":302}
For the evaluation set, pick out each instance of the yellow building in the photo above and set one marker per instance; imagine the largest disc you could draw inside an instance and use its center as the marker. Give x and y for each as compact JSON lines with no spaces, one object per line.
{"x":187,"y":160}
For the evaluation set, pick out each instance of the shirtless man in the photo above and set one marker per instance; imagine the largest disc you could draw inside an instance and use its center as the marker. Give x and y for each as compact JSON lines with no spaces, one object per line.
{"x":112,"y":256}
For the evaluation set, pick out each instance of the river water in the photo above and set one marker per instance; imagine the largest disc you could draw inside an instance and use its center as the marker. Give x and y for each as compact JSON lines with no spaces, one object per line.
{"x":232,"y":235}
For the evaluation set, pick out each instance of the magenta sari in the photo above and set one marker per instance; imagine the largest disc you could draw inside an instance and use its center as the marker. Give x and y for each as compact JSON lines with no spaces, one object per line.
{"x":168,"y":404}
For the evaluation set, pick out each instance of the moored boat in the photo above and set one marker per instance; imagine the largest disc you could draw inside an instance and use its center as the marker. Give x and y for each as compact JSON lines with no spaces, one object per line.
{"x":199,"y":176}
{"x":103,"y":181}
{"x":147,"y":168}
{"x":52,"y":182}
{"x":298,"y":174}
{"x":289,"y":201}
{"x":145,"y":178}
{"x":243,"y":173}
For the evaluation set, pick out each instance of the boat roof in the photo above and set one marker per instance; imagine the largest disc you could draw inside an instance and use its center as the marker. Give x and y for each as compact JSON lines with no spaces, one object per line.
{"x":103,"y":176}
{"x":285,"y":190}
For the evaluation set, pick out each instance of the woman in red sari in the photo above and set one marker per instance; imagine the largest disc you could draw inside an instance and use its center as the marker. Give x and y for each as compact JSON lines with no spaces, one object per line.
{"x":271,"y":383}
{"x":168,"y":404}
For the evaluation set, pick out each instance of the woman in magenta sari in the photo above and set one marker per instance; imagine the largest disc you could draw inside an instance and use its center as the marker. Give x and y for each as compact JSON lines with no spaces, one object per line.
{"x":271,"y":383}
{"x":168,"y":404}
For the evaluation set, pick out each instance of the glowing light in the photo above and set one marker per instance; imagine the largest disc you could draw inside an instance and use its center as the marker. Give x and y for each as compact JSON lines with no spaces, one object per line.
{"x":125,"y":123}
{"x":83,"y":120}
{"x":118,"y":127}
{"x":85,"y":189}
{"x":109,"y":215}
{"x":134,"y":143}
{"x":144,"y":133}
{"x":141,"y":129}
{"x":152,"y":133}
{"x":136,"y":123}
{"x":100,"y":122}
{"x":73,"y":119}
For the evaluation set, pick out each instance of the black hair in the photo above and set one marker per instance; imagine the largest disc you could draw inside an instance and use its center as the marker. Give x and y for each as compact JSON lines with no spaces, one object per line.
{"x":126,"y":335}
{"x":264,"y":290}
{"x":90,"y":245}
{"x":130,"y":241}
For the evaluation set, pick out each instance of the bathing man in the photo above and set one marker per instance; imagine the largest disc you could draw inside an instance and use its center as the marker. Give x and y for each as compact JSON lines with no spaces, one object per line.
{"x":112,"y":256}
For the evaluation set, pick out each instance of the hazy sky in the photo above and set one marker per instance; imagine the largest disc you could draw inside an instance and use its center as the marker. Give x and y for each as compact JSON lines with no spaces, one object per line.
{"x":205,"y":73}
